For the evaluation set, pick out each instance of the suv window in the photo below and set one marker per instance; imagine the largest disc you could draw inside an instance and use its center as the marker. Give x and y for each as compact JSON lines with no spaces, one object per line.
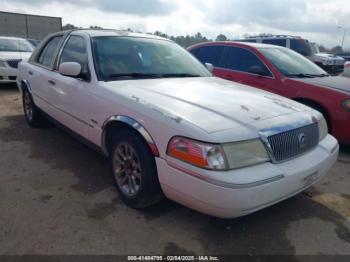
{"x":301,"y":46}
{"x":75,"y":50}
{"x":210,"y":54}
{"x":279,"y":42}
{"x":48,"y":53}
{"x":243,"y":60}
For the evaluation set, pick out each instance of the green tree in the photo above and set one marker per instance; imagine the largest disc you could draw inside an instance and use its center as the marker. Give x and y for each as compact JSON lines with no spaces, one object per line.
{"x":221,"y":37}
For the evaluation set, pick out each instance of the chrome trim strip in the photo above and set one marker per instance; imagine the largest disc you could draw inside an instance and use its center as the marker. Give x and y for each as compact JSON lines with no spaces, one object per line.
{"x":132,"y":123}
{"x":224,"y":184}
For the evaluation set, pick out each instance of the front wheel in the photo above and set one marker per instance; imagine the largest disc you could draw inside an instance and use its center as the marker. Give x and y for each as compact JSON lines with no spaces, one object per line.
{"x":134,"y":170}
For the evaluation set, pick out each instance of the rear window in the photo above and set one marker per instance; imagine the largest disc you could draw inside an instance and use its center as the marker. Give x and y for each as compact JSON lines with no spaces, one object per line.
{"x":279,"y":42}
{"x":301,"y":46}
{"x":48,"y":54}
{"x":210,"y":54}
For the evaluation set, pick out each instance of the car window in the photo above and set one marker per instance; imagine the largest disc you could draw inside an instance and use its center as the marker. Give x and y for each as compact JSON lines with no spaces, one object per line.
{"x":301,"y":46}
{"x":133,"y":57}
{"x":243,"y":60}
{"x":48,"y":53}
{"x":279,"y":42}
{"x":290,"y":63}
{"x":75,"y":50}
{"x":15,"y":45}
{"x":210,"y":54}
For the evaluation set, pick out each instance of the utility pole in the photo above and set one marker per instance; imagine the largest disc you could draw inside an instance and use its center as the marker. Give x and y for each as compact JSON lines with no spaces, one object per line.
{"x":342,"y":42}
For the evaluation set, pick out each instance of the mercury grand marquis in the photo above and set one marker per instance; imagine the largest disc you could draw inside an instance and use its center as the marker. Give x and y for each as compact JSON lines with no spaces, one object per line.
{"x":169,"y":128}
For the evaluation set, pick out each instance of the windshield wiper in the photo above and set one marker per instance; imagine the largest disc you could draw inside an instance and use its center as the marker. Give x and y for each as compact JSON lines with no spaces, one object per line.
{"x":302,"y":75}
{"x":135,"y":75}
{"x":180,"y":75}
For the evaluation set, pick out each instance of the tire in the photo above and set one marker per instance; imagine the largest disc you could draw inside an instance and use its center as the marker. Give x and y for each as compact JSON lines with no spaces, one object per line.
{"x":32,"y":113}
{"x":319,"y":109}
{"x":134,"y":170}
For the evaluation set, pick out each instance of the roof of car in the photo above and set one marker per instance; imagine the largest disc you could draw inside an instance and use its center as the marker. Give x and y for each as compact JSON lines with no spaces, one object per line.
{"x":11,"y":38}
{"x":254,"y":45}
{"x":111,"y":32}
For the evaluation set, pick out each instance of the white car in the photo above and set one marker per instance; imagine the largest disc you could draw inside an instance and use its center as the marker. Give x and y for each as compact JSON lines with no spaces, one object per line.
{"x":169,"y":128}
{"x":347,"y":69}
{"x":13,"y":50}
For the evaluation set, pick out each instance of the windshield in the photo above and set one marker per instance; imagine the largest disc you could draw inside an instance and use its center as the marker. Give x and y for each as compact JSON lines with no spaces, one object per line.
{"x":15,"y":45}
{"x":314,"y":49}
{"x":301,"y":46}
{"x":131,"y":57}
{"x":292,"y":64}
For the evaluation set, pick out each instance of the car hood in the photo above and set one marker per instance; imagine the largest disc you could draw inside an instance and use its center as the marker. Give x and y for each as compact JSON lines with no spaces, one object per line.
{"x":210,"y":103}
{"x":15,"y":55}
{"x":325,"y":55}
{"x":335,"y":82}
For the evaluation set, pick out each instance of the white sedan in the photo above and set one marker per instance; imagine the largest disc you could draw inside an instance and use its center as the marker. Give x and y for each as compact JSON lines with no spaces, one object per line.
{"x":169,"y":128}
{"x":13,"y":50}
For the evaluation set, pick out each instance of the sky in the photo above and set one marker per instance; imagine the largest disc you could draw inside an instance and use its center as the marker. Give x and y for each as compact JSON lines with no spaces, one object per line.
{"x":316,"y":20}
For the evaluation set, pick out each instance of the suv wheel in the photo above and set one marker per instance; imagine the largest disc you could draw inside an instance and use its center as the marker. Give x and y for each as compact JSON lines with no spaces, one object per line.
{"x":134,"y":170}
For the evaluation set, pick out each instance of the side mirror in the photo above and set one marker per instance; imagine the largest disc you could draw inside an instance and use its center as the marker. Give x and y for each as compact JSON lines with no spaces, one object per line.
{"x":210,"y":67}
{"x":258,"y":70}
{"x":71,"y":69}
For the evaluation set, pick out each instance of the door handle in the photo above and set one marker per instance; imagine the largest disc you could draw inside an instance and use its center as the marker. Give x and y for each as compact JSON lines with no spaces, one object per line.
{"x":52,"y":82}
{"x":30,"y":72}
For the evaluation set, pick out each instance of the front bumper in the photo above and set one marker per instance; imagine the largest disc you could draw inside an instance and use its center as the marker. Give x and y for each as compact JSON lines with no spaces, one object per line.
{"x":333,"y":69}
{"x":239,"y":192}
{"x":8,"y":75}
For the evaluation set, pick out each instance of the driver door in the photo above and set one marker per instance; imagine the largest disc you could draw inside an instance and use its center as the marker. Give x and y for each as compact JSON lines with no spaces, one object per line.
{"x":72,"y":95}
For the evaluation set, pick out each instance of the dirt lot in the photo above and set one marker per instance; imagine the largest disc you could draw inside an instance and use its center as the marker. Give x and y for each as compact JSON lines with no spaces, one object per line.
{"x":57,"y":197}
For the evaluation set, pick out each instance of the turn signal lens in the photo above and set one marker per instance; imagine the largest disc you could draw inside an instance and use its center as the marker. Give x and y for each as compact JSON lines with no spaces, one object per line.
{"x":346,"y":105}
{"x":196,"y":153}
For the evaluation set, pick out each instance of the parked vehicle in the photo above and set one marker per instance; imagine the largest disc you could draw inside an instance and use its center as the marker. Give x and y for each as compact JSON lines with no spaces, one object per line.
{"x":331,"y":63}
{"x":34,"y":42}
{"x":12,"y":51}
{"x":347,"y":69}
{"x":284,"y":72}
{"x":167,"y":126}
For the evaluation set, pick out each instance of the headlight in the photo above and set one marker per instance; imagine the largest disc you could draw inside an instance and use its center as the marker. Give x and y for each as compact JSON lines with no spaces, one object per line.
{"x":322,"y":127}
{"x":2,"y":63}
{"x":346,"y":105}
{"x":217,"y":157}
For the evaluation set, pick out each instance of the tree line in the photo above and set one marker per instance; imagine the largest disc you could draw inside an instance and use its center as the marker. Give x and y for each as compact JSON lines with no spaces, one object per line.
{"x":188,"y":40}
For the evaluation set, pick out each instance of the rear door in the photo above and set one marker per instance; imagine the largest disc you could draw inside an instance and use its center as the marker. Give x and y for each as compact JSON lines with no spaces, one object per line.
{"x":39,"y":71}
{"x":244,"y":66}
{"x":213,"y":54}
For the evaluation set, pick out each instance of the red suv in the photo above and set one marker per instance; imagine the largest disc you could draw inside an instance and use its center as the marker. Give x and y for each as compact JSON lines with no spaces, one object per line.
{"x":284,"y":72}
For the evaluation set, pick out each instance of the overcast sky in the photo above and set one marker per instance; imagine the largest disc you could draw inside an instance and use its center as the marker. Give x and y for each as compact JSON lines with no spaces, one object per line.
{"x":316,"y":20}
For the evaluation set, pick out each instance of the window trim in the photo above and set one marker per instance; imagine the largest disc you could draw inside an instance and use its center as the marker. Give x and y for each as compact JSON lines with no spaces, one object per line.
{"x":35,"y":61}
{"x":244,"y":72}
{"x":59,"y":56}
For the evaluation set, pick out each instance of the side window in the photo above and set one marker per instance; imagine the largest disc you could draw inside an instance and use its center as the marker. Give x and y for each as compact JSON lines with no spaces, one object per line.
{"x":240,"y":59}
{"x":47,"y":55}
{"x":279,"y":42}
{"x":75,"y":50}
{"x":210,"y":54}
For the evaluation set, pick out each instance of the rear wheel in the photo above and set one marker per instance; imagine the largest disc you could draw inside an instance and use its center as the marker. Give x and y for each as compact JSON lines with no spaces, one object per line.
{"x":32,"y":114}
{"x":134,"y":170}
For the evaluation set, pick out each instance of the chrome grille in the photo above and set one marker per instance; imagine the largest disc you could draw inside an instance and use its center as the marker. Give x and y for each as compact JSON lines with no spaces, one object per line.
{"x":13,"y":62}
{"x":292,"y":143}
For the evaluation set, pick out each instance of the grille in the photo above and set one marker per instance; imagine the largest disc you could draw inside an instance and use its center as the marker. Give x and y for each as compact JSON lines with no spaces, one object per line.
{"x":13,"y":62}
{"x":295,"y":142}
